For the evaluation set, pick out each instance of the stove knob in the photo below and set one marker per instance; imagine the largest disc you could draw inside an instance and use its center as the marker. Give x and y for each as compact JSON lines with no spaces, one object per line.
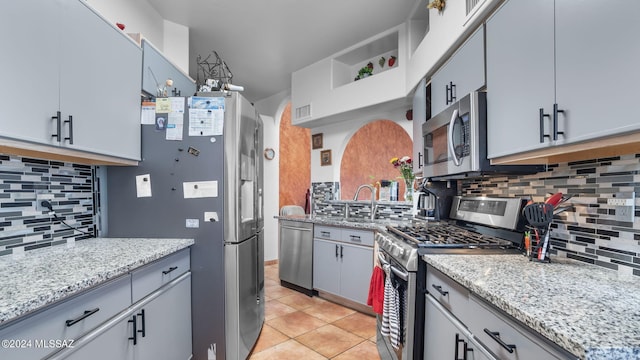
{"x":396,"y":250}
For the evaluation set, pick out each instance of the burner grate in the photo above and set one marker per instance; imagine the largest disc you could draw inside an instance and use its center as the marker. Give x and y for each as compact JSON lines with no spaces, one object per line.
{"x":447,"y":235}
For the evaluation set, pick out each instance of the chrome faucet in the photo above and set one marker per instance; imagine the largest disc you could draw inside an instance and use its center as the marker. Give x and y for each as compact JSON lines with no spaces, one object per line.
{"x":373,"y":198}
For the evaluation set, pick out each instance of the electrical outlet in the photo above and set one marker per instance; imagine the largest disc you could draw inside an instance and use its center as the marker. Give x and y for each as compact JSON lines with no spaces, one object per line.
{"x":624,"y":205}
{"x":40,"y":197}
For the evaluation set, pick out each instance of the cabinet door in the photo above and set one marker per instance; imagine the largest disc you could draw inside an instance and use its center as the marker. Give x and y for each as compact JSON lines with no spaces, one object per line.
{"x":443,"y":340}
{"x":100,"y":76}
{"x":167,"y":325}
{"x":30,"y":58}
{"x":419,"y":117}
{"x":157,"y":69}
{"x":111,"y":344}
{"x":462,"y":74}
{"x":520,"y":78}
{"x":326,"y":268}
{"x":597,"y":77}
{"x":356,"y":267}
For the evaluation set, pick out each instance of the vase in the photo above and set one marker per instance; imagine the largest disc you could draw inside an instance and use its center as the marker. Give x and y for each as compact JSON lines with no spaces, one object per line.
{"x":408,"y":190}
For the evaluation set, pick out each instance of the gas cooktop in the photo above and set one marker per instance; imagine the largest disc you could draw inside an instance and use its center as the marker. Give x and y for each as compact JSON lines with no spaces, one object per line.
{"x":447,"y":236}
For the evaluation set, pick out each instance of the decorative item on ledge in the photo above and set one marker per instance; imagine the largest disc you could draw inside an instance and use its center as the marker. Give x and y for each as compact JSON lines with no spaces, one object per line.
{"x":364,"y":72}
{"x":437,"y":4}
{"x":213,"y":76}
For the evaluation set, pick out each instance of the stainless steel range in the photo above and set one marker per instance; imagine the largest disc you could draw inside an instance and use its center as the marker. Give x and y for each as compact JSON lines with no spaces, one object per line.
{"x":477,"y":225}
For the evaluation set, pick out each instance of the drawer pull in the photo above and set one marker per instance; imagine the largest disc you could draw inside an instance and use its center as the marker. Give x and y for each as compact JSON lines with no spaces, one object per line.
{"x":135,"y":330}
{"x":325,"y":233}
{"x":165,"y":272}
{"x":439,"y":289}
{"x":496,"y":337}
{"x":85,"y":315}
{"x":144,"y":327}
{"x":355,"y":238}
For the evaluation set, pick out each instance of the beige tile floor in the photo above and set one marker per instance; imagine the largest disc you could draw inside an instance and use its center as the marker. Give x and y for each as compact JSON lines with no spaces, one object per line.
{"x":301,"y":327}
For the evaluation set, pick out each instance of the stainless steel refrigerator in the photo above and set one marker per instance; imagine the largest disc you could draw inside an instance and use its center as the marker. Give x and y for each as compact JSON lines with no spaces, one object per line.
{"x":206,"y":186}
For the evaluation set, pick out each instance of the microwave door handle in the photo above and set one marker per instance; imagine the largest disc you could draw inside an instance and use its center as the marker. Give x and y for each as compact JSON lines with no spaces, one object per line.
{"x":452,"y":149}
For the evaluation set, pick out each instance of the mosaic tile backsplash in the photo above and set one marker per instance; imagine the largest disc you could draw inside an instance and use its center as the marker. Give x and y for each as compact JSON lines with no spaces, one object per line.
{"x":589,"y":232}
{"x":24,"y":225}
{"x":326,"y":201}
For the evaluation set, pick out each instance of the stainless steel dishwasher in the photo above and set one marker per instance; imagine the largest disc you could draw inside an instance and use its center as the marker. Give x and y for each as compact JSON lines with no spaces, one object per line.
{"x":296,"y":255}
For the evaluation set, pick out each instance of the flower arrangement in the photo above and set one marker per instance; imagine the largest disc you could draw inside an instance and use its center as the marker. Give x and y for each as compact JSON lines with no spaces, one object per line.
{"x":404,"y":165}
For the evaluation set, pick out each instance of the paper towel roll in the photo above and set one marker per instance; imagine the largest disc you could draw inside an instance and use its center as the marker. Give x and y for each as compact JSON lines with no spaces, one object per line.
{"x":231,"y":87}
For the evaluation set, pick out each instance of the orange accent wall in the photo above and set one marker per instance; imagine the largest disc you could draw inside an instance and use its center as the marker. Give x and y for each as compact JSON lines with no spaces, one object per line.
{"x":366,"y":157}
{"x":295,"y":161}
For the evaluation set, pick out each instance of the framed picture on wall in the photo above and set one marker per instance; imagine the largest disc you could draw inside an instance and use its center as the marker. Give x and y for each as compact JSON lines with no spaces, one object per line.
{"x":325,"y":157}
{"x":316,"y":141}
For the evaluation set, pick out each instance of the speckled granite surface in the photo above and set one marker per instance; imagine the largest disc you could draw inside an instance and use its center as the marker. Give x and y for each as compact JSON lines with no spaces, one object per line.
{"x":43,"y":276}
{"x":588,"y":310}
{"x":354,"y":223}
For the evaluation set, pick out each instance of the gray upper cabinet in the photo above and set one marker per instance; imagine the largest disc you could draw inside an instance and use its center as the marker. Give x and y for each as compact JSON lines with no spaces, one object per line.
{"x":462,"y":74}
{"x":560,"y":74}
{"x":29,"y":96}
{"x":519,"y":76}
{"x":156,"y":69}
{"x":70,"y":60}
{"x":99,"y":84}
{"x":419,"y":117}
{"x":597,"y":77}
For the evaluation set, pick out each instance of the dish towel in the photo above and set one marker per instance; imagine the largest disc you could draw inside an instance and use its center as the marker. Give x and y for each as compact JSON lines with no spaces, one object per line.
{"x":390,"y":310}
{"x":376,"y":290}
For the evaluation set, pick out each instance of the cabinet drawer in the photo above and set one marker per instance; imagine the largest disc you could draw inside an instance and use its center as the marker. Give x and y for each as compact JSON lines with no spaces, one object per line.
{"x":453,"y":296}
{"x":360,"y":237}
{"x":66,"y":321}
{"x":327,"y":232}
{"x":527,"y":344}
{"x":149,"y":278}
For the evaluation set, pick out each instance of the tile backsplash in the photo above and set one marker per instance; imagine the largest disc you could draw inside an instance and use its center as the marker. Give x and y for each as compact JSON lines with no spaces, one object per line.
{"x":589,"y":232}
{"x":24,"y":225}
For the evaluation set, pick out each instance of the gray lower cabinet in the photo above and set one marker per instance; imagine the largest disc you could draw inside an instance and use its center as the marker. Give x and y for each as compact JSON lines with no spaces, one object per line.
{"x":343,"y":268}
{"x":69,"y":61}
{"x":462,"y":74}
{"x":446,"y":340}
{"x":68,"y":321}
{"x":453,"y":315}
{"x":157,"y":328}
{"x":553,"y":78}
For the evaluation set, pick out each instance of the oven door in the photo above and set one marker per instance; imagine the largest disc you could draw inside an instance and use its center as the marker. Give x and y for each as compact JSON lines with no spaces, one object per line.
{"x":448,"y":139}
{"x":404,"y":287}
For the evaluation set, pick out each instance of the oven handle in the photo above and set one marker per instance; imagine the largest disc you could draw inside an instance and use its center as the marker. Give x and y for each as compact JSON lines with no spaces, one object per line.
{"x":398,"y":272}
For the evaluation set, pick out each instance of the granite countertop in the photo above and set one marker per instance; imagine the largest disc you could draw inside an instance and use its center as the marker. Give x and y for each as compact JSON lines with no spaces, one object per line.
{"x":590,"y":311}
{"x":43,"y":276}
{"x":354,"y":223}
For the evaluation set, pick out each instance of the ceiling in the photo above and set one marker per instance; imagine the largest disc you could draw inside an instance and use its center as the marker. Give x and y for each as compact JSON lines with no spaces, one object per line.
{"x":264,"y":41}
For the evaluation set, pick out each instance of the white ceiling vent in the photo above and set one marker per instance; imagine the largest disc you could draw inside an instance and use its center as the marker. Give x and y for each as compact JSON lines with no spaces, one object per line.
{"x":303,"y":112}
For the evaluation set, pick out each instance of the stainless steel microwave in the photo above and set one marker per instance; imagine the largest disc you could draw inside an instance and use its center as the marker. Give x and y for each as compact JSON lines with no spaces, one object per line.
{"x":455,"y":143}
